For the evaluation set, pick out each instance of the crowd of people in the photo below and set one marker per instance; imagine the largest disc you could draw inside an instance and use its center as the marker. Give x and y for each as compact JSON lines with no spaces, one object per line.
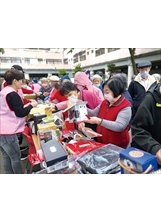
{"x":120,"y":113}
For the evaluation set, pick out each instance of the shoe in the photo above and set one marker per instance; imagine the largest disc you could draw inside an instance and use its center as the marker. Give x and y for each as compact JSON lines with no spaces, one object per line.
{"x":24,"y":156}
{"x":23,"y":148}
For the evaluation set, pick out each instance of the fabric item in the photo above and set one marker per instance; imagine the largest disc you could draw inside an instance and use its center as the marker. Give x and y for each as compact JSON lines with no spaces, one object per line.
{"x":36,"y":87}
{"x":92,"y":100}
{"x":147,"y":122}
{"x":54,"y":78}
{"x":144,"y":64}
{"x":65,"y":78}
{"x":56,"y":95}
{"x":17,"y":67}
{"x":27,"y":91}
{"x":15,"y":104}
{"x":35,"y":80}
{"x":10,"y":123}
{"x":81,"y":79}
{"x":137,"y":90}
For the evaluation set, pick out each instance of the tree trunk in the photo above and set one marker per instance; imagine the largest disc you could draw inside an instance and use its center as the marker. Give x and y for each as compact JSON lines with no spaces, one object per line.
{"x":132,"y":54}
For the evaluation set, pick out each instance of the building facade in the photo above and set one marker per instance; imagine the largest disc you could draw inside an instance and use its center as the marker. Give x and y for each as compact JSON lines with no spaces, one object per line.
{"x":38,"y":62}
{"x":97,"y":59}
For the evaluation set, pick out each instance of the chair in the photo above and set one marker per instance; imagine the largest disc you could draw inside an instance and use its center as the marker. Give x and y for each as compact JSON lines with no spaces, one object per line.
{"x":33,"y":158}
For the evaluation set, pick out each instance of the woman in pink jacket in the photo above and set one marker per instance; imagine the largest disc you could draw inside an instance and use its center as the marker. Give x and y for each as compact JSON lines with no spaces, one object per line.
{"x":82,"y":82}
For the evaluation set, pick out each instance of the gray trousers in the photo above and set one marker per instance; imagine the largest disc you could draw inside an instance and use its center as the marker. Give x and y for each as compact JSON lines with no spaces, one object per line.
{"x":9,"y":146}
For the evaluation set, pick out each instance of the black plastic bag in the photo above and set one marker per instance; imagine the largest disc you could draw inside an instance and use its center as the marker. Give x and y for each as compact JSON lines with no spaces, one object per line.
{"x":104,"y":160}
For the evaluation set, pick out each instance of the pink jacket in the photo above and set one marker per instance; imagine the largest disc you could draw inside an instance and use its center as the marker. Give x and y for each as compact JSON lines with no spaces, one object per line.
{"x":9,"y":123}
{"x":92,"y":100}
{"x":82,"y":80}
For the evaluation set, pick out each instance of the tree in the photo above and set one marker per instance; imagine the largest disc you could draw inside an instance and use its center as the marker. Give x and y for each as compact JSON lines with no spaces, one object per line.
{"x":77,"y":68}
{"x":132,"y":55}
{"x":62,"y":72}
{"x":112,"y":68}
{"x":2,"y":50}
{"x":70,"y":51}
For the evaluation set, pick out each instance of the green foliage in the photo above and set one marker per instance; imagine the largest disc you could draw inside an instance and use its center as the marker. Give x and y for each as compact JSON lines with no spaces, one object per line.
{"x":62,"y":72}
{"x":2,"y":50}
{"x":70,"y":51}
{"x":77,"y":68}
{"x":112,"y":68}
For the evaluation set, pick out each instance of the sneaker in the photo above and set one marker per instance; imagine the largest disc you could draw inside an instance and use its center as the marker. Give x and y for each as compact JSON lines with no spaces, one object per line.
{"x":24,"y":156}
{"x":23,"y":148}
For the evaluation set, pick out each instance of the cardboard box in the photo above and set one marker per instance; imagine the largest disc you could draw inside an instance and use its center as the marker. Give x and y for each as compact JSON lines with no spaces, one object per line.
{"x":134,"y":160}
{"x":47,"y":126}
{"x":53,"y":152}
{"x":77,"y":111}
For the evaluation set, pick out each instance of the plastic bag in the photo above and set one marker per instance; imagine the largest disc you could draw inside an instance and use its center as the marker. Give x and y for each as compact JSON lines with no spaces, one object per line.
{"x":82,"y":146}
{"x":101,"y":161}
{"x":89,"y":132}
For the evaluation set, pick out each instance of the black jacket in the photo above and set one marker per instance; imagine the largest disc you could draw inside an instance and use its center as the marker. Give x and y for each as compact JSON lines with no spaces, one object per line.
{"x":138,"y":92}
{"x":146,"y":125}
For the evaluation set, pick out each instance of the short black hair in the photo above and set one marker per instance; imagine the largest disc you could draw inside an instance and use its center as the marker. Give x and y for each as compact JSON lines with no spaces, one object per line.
{"x":67,"y":87}
{"x":11,"y":74}
{"x":115,"y":85}
{"x":122,"y":77}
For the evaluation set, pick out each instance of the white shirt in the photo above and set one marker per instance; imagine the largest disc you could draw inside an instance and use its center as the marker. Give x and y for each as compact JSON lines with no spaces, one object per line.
{"x":145,"y":83}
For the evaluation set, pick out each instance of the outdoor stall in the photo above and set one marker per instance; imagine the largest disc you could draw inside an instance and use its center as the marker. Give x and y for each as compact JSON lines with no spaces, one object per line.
{"x":60,"y":148}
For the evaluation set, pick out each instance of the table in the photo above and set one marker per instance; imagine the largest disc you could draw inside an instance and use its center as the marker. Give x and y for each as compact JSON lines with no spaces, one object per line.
{"x":30,"y":96}
{"x":36,"y":142}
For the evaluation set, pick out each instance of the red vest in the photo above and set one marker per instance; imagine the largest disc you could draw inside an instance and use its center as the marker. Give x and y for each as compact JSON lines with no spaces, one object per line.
{"x":120,"y":139}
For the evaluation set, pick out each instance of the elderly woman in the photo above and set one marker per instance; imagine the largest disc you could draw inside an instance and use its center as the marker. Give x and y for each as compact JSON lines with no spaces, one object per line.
{"x":157,"y":77}
{"x":112,"y":116}
{"x":45,"y":89}
{"x":97,"y":82}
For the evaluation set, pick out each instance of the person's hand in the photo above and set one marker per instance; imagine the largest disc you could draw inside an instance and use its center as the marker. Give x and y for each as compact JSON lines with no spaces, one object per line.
{"x":53,"y":108}
{"x":81,"y":125}
{"x":45,"y":94}
{"x":158,"y":155}
{"x":47,"y":102}
{"x":34,"y":104}
{"x":93,"y":120}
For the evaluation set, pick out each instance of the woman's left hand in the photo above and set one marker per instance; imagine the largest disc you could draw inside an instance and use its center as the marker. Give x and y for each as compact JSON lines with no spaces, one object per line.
{"x":93,"y":120}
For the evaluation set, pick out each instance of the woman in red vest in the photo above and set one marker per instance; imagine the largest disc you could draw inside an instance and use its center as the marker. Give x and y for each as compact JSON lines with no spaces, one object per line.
{"x":112,"y":116}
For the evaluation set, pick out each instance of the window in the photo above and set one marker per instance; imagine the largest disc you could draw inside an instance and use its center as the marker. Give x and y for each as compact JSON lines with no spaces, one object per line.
{"x":91,"y":51}
{"x":10,"y":60}
{"x":26,"y":60}
{"x":40,"y":61}
{"x":75,"y":59}
{"x":53,"y":61}
{"x":82,"y":58}
{"x":87,"y":53}
{"x":112,"y":49}
{"x":99,"y":52}
{"x":65,"y":61}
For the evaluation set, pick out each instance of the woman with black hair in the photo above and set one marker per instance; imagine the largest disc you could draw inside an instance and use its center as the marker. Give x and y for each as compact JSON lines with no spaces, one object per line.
{"x":13,"y":114}
{"x":112,"y":116}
